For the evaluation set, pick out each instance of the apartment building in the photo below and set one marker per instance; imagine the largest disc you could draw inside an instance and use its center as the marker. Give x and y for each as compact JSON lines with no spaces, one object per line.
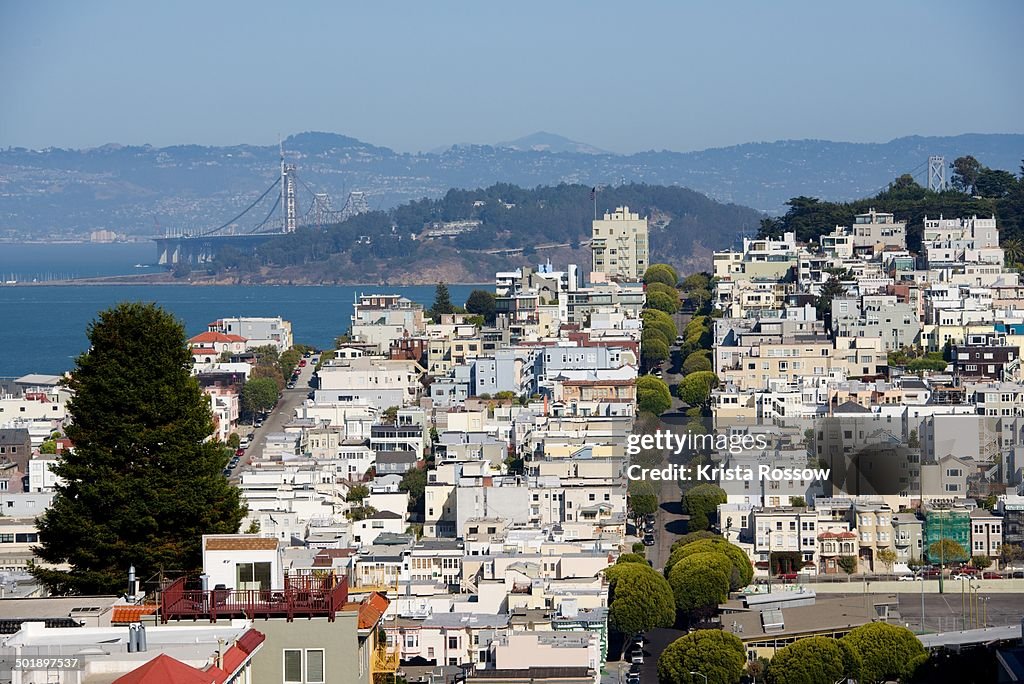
{"x":619,"y":245}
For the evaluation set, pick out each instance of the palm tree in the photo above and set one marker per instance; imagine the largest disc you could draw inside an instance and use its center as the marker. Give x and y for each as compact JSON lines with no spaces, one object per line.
{"x":1013,"y":251}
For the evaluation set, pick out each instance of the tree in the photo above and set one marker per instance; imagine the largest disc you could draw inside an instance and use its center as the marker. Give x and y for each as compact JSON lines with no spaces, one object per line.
{"x":415,"y":482}
{"x":640,"y":599}
{"x":48,"y":446}
{"x":743,"y":571}
{"x":1011,"y":554}
{"x":947,"y":550}
{"x":697,"y":362}
{"x":981,"y":562}
{"x":659,"y":322}
{"x":995,"y":183}
{"x":695,"y":388}
{"x":481,"y":302}
{"x":703,"y":499}
{"x":886,"y":652}
{"x":888,"y":558}
{"x":631,"y":558}
{"x":389,"y":416}
{"x":691,"y":537}
{"x":661,"y":273}
{"x":832,"y":288}
{"x":258,"y":395}
{"x":652,"y":395}
{"x":662,"y":302}
{"x":798,"y":502}
{"x":714,"y":653}
{"x":356,"y":493}
{"x":700,"y":582}
{"x":442,"y":302}
{"x":848,"y":564}
{"x":814,"y":660}
{"x":966,"y":171}
{"x":643,"y":504}
{"x":144,"y":481}
{"x":655,"y":352}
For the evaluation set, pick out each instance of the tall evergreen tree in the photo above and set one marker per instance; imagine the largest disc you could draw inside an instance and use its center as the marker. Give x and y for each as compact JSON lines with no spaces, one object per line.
{"x":144,"y":482}
{"x":442,"y":301}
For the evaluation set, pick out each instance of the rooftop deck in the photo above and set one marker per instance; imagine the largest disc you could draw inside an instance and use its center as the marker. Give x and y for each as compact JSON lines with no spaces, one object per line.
{"x":302,"y":596}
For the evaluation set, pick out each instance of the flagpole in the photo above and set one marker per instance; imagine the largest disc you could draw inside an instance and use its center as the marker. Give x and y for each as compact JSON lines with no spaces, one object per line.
{"x":593,"y":196}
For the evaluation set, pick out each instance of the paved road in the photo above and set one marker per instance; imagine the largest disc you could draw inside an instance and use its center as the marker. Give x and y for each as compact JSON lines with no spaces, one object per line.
{"x":282,"y":413}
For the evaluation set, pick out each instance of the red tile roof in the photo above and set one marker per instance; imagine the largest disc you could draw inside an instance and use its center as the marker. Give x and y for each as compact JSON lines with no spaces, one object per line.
{"x":210,"y":337}
{"x":166,"y":670}
{"x":125,"y":615}
{"x":371,"y":609}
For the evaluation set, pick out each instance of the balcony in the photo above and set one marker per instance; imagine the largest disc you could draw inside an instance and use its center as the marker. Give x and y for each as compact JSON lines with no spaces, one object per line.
{"x":303,"y":596}
{"x":385,"y":660}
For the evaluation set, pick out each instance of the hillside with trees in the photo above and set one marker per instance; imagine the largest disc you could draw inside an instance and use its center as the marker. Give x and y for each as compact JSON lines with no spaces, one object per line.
{"x":516,"y":226}
{"x":975,"y":190}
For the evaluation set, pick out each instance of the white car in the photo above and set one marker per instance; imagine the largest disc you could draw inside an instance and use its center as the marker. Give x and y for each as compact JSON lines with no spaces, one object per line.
{"x":911,"y":578}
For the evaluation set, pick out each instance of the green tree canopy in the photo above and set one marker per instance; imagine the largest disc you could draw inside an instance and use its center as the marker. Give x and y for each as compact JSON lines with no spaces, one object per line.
{"x":144,"y":482}
{"x":640,"y":599}
{"x":947,"y":551}
{"x":700,"y":581}
{"x":887,"y":652}
{"x":652,"y":395}
{"x":661,"y":273}
{"x":415,"y":482}
{"x":442,"y":302}
{"x":654,"y":352}
{"x":814,"y":660}
{"x":662,"y":302}
{"x":481,"y":303}
{"x":357,"y":492}
{"x":258,"y":395}
{"x":704,"y":499}
{"x":744,"y":571}
{"x":631,"y":558}
{"x":714,"y":653}
{"x":658,"y":323}
{"x":697,"y":362}
{"x":695,"y":388}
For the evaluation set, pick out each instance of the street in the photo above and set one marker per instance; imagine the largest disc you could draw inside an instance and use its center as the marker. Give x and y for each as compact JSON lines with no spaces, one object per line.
{"x":281,"y":414}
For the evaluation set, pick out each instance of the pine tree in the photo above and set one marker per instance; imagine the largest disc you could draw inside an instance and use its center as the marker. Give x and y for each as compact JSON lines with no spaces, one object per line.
{"x":442,"y":302}
{"x":144,"y":482}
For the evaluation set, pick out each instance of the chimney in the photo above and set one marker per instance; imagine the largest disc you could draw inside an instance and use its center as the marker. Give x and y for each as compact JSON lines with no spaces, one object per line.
{"x":140,"y":638}
{"x":132,"y":643}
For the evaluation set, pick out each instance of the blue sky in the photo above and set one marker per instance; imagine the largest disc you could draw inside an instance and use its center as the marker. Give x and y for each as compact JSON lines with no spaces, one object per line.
{"x":418,"y":75}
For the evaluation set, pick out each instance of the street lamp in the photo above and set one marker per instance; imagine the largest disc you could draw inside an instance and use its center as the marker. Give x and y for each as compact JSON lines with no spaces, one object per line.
{"x":701,"y":674}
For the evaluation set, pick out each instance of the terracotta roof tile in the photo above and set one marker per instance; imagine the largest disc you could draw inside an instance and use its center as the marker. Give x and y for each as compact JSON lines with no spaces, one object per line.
{"x":126,"y":615}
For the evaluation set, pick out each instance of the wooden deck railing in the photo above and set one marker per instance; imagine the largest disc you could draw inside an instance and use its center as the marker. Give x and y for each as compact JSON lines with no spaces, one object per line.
{"x":302,"y":596}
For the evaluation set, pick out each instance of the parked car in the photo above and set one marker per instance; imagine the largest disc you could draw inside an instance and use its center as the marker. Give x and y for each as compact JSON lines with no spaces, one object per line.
{"x":910,"y":578}
{"x":633,"y":678}
{"x":931,"y":573}
{"x":302,"y":363}
{"x":991,"y":575}
{"x":637,"y":657}
{"x":234,"y":462}
{"x":787,"y":576}
{"x":239,"y":451}
{"x":227,"y":472}
{"x":290,"y":385}
{"x":649,"y":540}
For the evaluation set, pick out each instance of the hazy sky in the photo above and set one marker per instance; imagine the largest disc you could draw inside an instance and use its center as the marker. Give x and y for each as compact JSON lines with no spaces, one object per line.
{"x":623,"y":76}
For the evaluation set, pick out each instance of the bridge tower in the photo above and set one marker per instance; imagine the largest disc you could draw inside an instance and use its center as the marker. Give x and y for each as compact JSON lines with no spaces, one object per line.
{"x":288,"y":196}
{"x":321,"y":209}
{"x":936,"y":173}
{"x":355,"y":204}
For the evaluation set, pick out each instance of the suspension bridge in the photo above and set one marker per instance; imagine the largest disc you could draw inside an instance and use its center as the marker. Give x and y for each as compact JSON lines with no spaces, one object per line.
{"x":245,"y":231}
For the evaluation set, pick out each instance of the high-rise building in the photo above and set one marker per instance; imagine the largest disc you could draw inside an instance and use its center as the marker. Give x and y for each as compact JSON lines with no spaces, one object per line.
{"x":619,"y":244}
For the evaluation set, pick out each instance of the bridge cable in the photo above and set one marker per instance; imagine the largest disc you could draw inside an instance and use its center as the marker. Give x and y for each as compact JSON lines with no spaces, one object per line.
{"x":245,"y":211}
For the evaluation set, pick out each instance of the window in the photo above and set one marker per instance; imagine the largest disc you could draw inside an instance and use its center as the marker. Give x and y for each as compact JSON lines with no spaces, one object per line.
{"x":453,"y":642}
{"x":293,"y":665}
{"x":314,"y":666}
{"x":253,"y":575}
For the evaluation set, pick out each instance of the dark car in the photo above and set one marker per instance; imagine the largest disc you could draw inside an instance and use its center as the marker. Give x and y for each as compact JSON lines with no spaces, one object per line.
{"x":649,"y":540}
{"x":233,"y":463}
{"x":227,"y":472}
{"x":991,"y":575}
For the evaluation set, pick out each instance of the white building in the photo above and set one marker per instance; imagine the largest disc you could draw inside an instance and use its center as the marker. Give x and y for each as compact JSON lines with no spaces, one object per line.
{"x":619,"y":244}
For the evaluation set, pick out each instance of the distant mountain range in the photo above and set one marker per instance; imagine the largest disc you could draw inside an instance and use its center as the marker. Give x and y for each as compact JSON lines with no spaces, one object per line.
{"x":142,"y":190}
